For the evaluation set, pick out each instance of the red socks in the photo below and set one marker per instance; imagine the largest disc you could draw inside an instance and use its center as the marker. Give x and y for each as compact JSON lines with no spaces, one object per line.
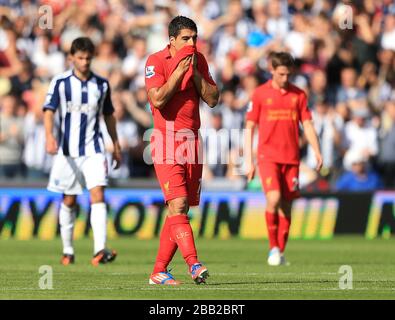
{"x":283,"y":231}
{"x":181,"y":232}
{"x":272,"y":228}
{"x":167,"y":249}
{"x":277,"y":229}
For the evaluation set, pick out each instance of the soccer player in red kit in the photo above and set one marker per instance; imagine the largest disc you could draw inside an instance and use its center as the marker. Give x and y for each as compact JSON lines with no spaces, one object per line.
{"x":176,"y":78}
{"x":277,"y":108}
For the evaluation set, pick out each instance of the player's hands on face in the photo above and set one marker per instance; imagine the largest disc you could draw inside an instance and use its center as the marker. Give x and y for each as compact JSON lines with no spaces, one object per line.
{"x":194,"y":62}
{"x":318,"y":157}
{"x":116,"y":157}
{"x":51,"y":145}
{"x":184,"y":64}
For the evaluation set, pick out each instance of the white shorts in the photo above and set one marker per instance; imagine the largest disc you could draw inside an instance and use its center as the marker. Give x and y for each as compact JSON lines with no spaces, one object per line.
{"x":71,"y":175}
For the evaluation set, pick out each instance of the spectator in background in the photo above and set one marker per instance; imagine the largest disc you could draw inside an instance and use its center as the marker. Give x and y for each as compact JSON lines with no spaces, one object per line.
{"x":349,"y":96}
{"x":132,"y":68}
{"x":106,"y":60}
{"x":298,"y":39}
{"x":358,"y":176}
{"x":388,"y":37}
{"x":386,"y":157}
{"x":318,"y":88}
{"x":259,"y":36}
{"x":138,"y":110}
{"x":369,"y":81}
{"x":10,"y":64}
{"x":348,"y":89}
{"x":244,"y":92}
{"x":127,"y":136}
{"x":360,"y":134}
{"x":37,"y":161}
{"x":277,"y":23}
{"x":329,"y":127}
{"x":386,"y":60}
{"x":216,"y":144}
{"x":22,"y":81}
{"x":47,"y":60}
{"x":11,"y":138}
{"x":232,"y":114}
{"x":237,"y":63}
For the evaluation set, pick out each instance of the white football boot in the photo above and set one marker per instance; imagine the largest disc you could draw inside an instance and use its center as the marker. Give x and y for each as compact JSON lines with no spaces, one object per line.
{"x":274,"y":258}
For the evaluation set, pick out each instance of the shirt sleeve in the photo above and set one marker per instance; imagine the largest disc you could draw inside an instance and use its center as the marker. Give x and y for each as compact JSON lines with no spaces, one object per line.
{"x":304,"y":112}
{"x":108,"y":108}
{"x":52,"y":100}
{"x":154,"y":73}
{"x":203,"y":68}
{"x":254,"y":109}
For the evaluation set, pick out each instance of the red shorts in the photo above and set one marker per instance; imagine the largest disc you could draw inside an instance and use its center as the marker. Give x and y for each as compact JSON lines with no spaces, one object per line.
{"x":180,"y":172}
{"x":281,"y":177}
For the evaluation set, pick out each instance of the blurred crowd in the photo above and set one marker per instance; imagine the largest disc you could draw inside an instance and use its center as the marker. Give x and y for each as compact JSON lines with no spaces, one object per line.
{"x":344,"y":52}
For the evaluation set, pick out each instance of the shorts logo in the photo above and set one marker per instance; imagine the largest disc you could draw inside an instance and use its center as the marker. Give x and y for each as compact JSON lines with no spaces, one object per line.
{"x":149,"y":71}
{"x":182,"y":235}
{"x":57,"y":182}
{"x":268,"y":181}
{"x":166,"y":186}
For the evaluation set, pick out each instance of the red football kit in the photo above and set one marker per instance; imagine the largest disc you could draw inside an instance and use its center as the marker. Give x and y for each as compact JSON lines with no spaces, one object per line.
{"x":176,"y":148}
{"x":278,"y":112}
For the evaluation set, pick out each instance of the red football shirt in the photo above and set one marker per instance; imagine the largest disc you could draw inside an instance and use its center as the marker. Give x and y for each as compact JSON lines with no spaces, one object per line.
{"x":182,"y":110}
{"x":278,"y":113}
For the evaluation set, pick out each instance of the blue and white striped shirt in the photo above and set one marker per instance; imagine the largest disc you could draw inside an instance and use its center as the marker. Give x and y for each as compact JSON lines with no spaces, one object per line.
{"x":79,"y":104}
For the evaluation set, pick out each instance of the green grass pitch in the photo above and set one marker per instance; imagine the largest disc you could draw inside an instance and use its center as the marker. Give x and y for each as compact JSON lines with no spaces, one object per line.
{"x":238,"y":270}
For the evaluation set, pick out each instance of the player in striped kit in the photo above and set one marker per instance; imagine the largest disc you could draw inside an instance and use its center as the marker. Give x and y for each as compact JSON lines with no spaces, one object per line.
{"x":80,"y":97}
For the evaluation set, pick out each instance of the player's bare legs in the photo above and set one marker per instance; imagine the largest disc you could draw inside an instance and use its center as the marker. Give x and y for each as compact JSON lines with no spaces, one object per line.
{"x":67,"y":216}
{"x":99,"y":226}
{"x":273,"y":201}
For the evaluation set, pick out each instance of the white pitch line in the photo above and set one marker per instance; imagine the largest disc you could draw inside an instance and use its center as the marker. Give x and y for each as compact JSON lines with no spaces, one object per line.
{"x":271,"y":273}
{"x":274,"y":289}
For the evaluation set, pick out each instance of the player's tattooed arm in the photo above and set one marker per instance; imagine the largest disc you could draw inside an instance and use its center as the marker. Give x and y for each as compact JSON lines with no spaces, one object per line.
{"x":112,"y":131}
{"x":160,"y":96}
{"x":51,"y":145}
{"x":312,"y":139}
{"x":208,"y":92}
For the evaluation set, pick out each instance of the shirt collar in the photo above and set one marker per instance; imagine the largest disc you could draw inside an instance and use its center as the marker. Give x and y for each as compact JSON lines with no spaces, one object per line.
{"x":166,"y":52}
{"x":282,"y":91}
{"x":83,"y":81}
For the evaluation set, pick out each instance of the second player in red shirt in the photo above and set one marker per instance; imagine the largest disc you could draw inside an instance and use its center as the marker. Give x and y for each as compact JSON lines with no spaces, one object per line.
{"x":277,"y":108}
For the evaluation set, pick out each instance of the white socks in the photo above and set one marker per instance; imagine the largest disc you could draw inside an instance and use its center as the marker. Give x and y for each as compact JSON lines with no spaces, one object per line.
{"x":66,"y":221}
{"x":99,"y":225}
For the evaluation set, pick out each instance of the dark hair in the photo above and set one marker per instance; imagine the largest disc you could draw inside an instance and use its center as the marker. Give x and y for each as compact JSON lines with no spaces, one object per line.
{"x":83,"y":44}
{"x":179,"y":23}
{"x":281,"y":59}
